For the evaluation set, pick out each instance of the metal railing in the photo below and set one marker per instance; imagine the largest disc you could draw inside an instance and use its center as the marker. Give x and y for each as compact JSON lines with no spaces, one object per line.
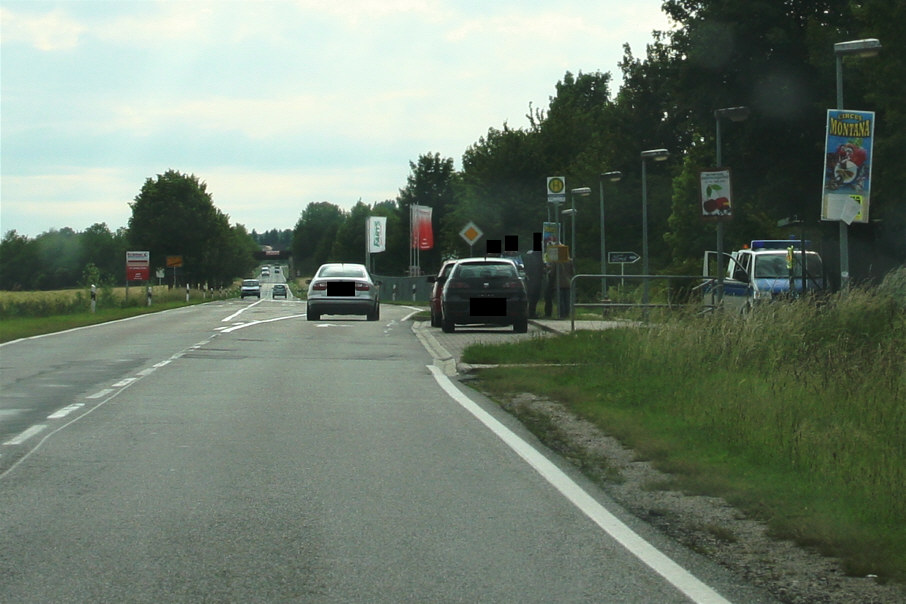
{"x":694,"y":296}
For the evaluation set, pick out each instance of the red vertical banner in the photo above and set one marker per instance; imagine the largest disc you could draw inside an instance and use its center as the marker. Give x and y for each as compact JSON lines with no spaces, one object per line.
{"x":422,"y":232}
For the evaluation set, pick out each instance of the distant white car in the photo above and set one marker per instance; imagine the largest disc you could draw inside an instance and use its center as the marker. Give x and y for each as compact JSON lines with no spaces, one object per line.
{"x":343,"y":289}
{"x":250,"y":287}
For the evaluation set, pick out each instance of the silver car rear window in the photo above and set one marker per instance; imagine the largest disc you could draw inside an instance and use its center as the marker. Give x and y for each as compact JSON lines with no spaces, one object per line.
{"x":339,"y":271}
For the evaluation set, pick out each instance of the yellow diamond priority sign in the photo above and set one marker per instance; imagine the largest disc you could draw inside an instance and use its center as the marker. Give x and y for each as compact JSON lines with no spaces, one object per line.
{"x":471,"y":233}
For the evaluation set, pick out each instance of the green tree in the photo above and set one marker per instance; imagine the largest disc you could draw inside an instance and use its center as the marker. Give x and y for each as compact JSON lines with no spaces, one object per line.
{"x":18,"y":262}
{"x":777,"y":59}
{"x":501,"y":188}
{"x":349,"y":243}
{"x":314,"y":234}
{"x":60,"y":259}
{"x":175,"y":215}
{"x":104,"y":250}
{"x":430,"y":183}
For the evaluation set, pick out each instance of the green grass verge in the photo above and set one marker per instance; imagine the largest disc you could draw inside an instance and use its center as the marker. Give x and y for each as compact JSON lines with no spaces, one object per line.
{"x":796,"y":413}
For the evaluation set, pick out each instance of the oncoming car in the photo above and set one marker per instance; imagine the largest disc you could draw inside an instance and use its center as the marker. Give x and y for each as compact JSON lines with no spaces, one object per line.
{"x":484,"y":291}
{"x":343,"y":289}
{"x":250,"y":287}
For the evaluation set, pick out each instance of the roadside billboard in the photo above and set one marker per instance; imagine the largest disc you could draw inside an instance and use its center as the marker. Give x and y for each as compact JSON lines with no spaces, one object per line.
{"x":716,"y":194}
{"x":138,"y":266}
{"x":847,"y":165}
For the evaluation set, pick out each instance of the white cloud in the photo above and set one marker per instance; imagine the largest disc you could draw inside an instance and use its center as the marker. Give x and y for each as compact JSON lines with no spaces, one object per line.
{"x":301,"y":100}
{"x":51,"y":31}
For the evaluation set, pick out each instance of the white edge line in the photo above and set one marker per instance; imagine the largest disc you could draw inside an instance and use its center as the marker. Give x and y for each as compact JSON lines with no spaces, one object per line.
{"x":676,"y":575}
{"x":94,"y":325}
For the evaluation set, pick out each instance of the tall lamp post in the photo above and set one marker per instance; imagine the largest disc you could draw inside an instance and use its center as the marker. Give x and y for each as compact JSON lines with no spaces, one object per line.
{"x":656,"y":155}
{"x":612,"y":177}
{"x":861,"y":48}
{"x":573,"y":193}
{"x":735,"y":114}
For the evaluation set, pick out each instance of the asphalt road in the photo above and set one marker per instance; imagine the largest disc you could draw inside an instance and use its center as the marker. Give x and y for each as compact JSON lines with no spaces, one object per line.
{"x":234,"y":451}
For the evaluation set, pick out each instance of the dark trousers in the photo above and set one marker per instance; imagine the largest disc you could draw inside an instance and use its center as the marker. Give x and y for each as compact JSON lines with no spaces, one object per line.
{"x":548,"y":302}
{"x":533,"y":297}
{"x":564,"y":302}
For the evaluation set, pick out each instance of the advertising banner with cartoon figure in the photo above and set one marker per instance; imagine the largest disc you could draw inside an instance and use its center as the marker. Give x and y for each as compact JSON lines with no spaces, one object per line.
{"x":847,"y":165}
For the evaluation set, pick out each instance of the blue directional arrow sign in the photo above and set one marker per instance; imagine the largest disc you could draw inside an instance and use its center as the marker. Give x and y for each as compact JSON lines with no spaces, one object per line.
{"x":622,"y":257}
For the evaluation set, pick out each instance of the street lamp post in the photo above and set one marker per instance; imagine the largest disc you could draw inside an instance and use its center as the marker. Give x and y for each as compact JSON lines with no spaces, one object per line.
{"x":862,"y":48}
{"x":656,"y":155}
{"x":735,"y":114}
{"x":580,"y":192}
{"x":612,"y":177}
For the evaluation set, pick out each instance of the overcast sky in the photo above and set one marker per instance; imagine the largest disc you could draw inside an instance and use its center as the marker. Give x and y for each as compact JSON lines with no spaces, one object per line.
{"x":277,"y":103}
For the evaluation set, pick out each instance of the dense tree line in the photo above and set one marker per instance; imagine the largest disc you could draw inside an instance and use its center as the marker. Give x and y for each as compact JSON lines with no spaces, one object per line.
{"x":62,"y":258}
{"x":173,"y":215}
{"x":274,"y":239}
{"x":776,"y":58}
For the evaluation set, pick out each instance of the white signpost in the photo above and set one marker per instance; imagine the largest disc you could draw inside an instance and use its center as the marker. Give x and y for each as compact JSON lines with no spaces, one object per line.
{"x":556,"y":189}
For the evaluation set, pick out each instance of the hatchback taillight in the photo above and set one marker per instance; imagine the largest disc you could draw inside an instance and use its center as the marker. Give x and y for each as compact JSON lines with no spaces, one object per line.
{"x":457,"y":285}
{"x":512,"y":284}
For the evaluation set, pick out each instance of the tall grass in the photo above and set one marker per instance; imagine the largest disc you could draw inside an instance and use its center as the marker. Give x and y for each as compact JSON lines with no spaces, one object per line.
{"x":25,"y":314}
{"x":71,"y":301}
{"x":796,"y":412}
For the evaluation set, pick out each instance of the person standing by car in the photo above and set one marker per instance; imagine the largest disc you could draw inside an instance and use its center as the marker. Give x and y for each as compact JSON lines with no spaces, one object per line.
{"x":534,"y":280}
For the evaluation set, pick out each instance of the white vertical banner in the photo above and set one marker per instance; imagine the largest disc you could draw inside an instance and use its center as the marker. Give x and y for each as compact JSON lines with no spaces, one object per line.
{"x":377,"y":234}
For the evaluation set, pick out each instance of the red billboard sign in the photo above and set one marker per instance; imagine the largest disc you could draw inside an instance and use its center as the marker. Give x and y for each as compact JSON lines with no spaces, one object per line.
{"x":138,"y":266}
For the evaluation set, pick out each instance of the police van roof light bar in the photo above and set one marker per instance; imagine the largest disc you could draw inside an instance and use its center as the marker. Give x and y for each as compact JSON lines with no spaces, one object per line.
{"x":777,"y":244}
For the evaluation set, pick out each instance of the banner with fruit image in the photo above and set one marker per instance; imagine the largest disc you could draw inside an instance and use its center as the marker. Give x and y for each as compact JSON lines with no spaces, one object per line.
{"x":847,"y":165}
{"x":716,"y":194}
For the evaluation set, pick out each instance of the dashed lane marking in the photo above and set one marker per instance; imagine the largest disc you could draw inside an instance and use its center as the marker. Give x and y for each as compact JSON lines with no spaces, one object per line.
{"x":26,"y":434}
{"x":66,"y":411}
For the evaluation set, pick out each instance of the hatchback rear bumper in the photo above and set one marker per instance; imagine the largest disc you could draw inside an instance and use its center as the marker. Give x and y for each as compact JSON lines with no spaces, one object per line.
{"x":340,"y":306}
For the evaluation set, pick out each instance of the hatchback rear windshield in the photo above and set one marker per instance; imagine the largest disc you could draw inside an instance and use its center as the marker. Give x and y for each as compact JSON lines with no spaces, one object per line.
{"x":484,"y":270}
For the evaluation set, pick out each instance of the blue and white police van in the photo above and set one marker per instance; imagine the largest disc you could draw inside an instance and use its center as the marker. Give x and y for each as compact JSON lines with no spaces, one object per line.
{"x":764,"y":270}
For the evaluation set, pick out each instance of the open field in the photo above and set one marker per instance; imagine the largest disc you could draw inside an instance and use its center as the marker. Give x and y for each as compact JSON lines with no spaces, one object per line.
{"x":25,"y":314}
{"x":796,"y":413}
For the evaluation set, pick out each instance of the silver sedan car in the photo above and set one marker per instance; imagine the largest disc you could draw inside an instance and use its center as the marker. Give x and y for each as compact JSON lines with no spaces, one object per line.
{"x":343,"y":289}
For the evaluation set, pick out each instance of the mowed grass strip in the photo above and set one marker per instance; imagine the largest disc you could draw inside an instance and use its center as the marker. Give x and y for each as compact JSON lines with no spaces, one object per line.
{"x":795,"y":414}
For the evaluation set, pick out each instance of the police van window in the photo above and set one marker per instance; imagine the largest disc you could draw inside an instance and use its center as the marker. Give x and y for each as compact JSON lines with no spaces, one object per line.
{"x":741,"y":270}
{"x":771,"y":267}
